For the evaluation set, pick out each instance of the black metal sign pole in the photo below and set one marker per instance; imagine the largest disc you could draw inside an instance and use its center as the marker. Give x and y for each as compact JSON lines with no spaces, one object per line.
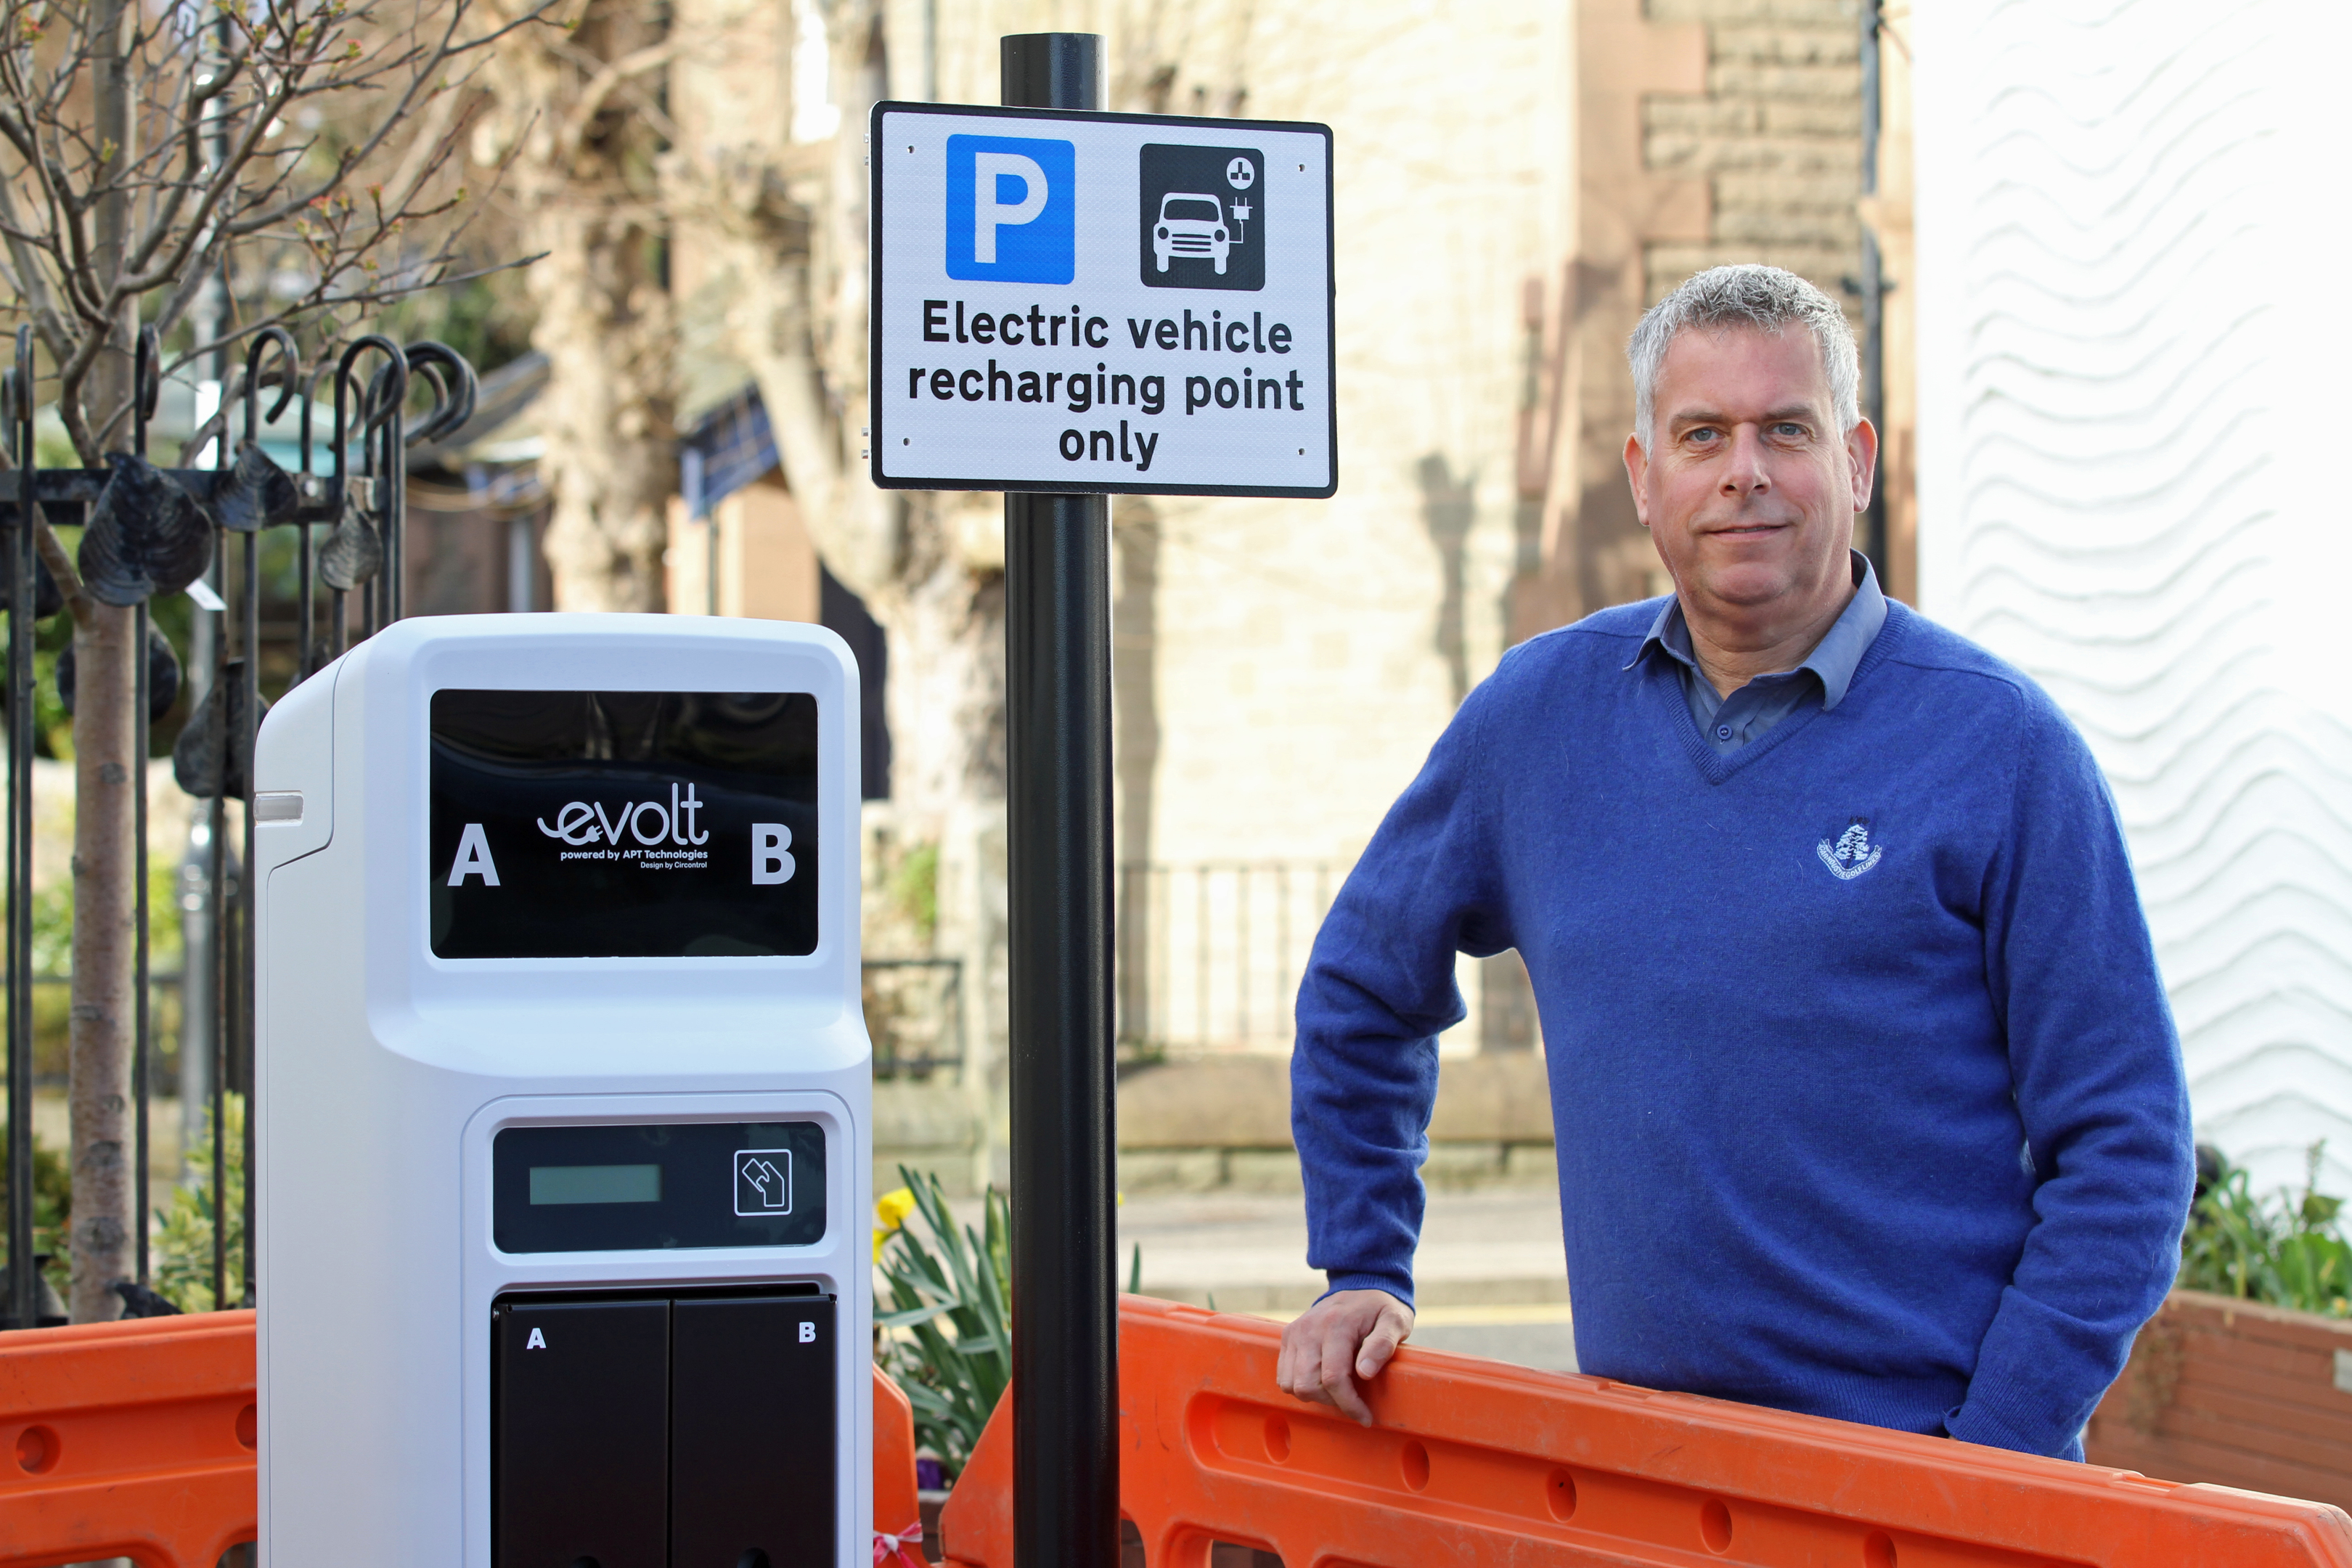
{"x":1057,"y":729}
{"x":24,"y":1282}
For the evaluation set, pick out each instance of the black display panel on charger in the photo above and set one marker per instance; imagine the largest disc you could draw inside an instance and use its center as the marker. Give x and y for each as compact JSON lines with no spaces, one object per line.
{"x":623,"y":824}
{"x":642,"y":1186}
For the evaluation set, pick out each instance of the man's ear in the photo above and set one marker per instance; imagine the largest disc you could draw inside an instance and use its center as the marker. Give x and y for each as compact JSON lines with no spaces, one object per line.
{"x":1862,"y":461}
{"x":1637,"y":475}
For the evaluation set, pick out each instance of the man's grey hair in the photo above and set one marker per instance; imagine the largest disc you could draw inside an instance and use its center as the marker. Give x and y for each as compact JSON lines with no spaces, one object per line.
{"x":1764,"y":299}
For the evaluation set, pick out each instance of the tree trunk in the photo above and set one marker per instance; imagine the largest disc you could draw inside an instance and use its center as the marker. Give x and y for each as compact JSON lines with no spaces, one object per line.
{"x":102,"y":1031}
{"x":573,"y":110}
{"x":603,"y":324}
{"x":102,"y":1019}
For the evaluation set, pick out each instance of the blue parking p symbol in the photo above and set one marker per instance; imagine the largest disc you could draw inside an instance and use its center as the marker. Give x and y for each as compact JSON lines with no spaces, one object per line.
{"x":1011,"y":213}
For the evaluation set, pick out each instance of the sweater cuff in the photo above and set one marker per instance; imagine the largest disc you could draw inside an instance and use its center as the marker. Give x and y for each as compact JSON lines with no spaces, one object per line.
{"x":1972,"y":1422}
{"x":2005,"y":1414}
{"x":1399,"y":1286}
{"x":2039,"y":1375}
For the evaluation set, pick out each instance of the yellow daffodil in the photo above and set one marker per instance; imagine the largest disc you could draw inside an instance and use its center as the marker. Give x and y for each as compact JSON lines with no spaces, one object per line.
{"x":890,"y":1211}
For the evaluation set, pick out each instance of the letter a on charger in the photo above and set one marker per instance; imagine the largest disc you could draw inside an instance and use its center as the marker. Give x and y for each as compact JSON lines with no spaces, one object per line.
{"x":473,"y":858}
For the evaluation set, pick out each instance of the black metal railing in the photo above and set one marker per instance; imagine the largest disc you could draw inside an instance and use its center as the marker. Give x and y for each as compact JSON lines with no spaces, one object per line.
{"x":1210,"y":955}
{"x":151,"y":531}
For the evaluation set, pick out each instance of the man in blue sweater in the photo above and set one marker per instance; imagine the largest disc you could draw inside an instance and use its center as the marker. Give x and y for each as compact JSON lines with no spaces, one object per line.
{"x":1867,"y":1097}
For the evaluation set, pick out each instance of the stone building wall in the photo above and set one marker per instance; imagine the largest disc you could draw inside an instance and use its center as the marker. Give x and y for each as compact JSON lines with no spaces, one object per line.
{"x":1776,"y":136}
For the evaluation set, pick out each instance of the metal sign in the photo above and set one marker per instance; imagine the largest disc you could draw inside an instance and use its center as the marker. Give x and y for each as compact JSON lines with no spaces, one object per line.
{"x":1135,"y":304}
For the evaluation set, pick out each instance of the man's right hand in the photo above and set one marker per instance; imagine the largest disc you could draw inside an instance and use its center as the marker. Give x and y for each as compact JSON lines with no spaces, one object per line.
{"x":1346,"y":1335}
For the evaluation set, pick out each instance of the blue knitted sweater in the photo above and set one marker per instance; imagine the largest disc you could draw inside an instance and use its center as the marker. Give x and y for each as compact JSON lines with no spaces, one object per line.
{"x":1868,"y":1100}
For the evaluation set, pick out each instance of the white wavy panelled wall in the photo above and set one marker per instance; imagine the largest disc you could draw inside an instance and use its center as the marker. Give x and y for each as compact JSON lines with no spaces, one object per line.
{"x":2135,"y":370}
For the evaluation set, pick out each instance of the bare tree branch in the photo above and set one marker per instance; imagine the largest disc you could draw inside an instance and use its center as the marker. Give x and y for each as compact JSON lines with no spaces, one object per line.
{"x":54,"y":556}
{"x":61,"y":567}
{"x":433,"y":143}
{"x":300,"y":152}
{"x":209,"y":170}
{"x":607,"y":79}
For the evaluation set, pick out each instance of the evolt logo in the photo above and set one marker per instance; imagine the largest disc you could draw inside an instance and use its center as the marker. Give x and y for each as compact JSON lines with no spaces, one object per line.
{"x":1012,"y":209}
{"x":580,"y":823}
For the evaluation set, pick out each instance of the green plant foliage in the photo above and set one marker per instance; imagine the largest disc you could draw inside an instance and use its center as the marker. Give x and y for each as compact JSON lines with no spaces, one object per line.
{"x":949,"y":1338}
{"x":52,"y":1206}
{"x":915,"y":888}
{"x":52,"y":729}
{"x":180,"y":1252}
{"x":2286,"y":1251}
{"x":53,"y":959}
{"x":166,"y":941}
{"x":53,"y":929}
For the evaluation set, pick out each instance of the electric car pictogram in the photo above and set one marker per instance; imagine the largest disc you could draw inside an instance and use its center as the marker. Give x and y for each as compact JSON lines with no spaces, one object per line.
{"x":1190,"y":225}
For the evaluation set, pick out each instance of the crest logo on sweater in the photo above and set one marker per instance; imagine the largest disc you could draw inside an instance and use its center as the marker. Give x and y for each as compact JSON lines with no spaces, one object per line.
{"x":1852,"y":853}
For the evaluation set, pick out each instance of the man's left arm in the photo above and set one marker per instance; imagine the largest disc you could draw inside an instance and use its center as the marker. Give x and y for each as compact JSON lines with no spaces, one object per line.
{"x":2096,"y":1069}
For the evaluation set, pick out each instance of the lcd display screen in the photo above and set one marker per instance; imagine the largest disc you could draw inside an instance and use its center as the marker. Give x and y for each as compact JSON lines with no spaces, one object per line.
{"x":635,"y":1187}
{"x":596,"y":1184}
{"x":623,"y":824}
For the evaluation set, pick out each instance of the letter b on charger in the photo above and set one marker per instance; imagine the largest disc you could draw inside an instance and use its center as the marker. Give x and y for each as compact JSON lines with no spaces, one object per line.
{"x":1012,"y":209}
{"x":772,"y":861}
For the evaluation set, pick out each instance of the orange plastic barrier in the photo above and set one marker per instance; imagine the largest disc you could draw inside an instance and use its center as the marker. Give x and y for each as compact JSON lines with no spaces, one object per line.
{"x":127,"y":1440}
{"x":136,"y":1439}
{"x":1478,"y":1462}
{"x":897,"y":1511}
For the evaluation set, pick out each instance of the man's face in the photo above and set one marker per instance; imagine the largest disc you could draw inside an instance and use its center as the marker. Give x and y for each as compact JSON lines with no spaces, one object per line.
{"x":1749,"y":488}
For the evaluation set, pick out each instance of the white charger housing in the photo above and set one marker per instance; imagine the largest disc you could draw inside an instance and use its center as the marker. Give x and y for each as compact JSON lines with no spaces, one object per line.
{"x":564,"y":1136}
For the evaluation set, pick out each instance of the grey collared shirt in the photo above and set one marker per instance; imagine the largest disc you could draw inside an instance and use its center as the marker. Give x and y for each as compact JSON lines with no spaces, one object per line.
{"x":1730,"y":722}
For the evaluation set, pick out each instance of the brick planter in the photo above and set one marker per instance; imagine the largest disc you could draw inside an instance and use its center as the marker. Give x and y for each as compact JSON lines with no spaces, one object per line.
{"x":2221,"y":1390}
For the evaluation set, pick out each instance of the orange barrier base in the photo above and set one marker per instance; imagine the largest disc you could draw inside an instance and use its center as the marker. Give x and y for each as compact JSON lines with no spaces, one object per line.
{"x":127,"y":1440}
{"x":136,"y":1439}
{"x":898,"y":1510}
{"x":1475,"y":1462}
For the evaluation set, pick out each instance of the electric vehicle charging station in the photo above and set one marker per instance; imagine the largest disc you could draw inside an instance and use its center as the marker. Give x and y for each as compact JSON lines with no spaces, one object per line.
{"x":563,"y":1143}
